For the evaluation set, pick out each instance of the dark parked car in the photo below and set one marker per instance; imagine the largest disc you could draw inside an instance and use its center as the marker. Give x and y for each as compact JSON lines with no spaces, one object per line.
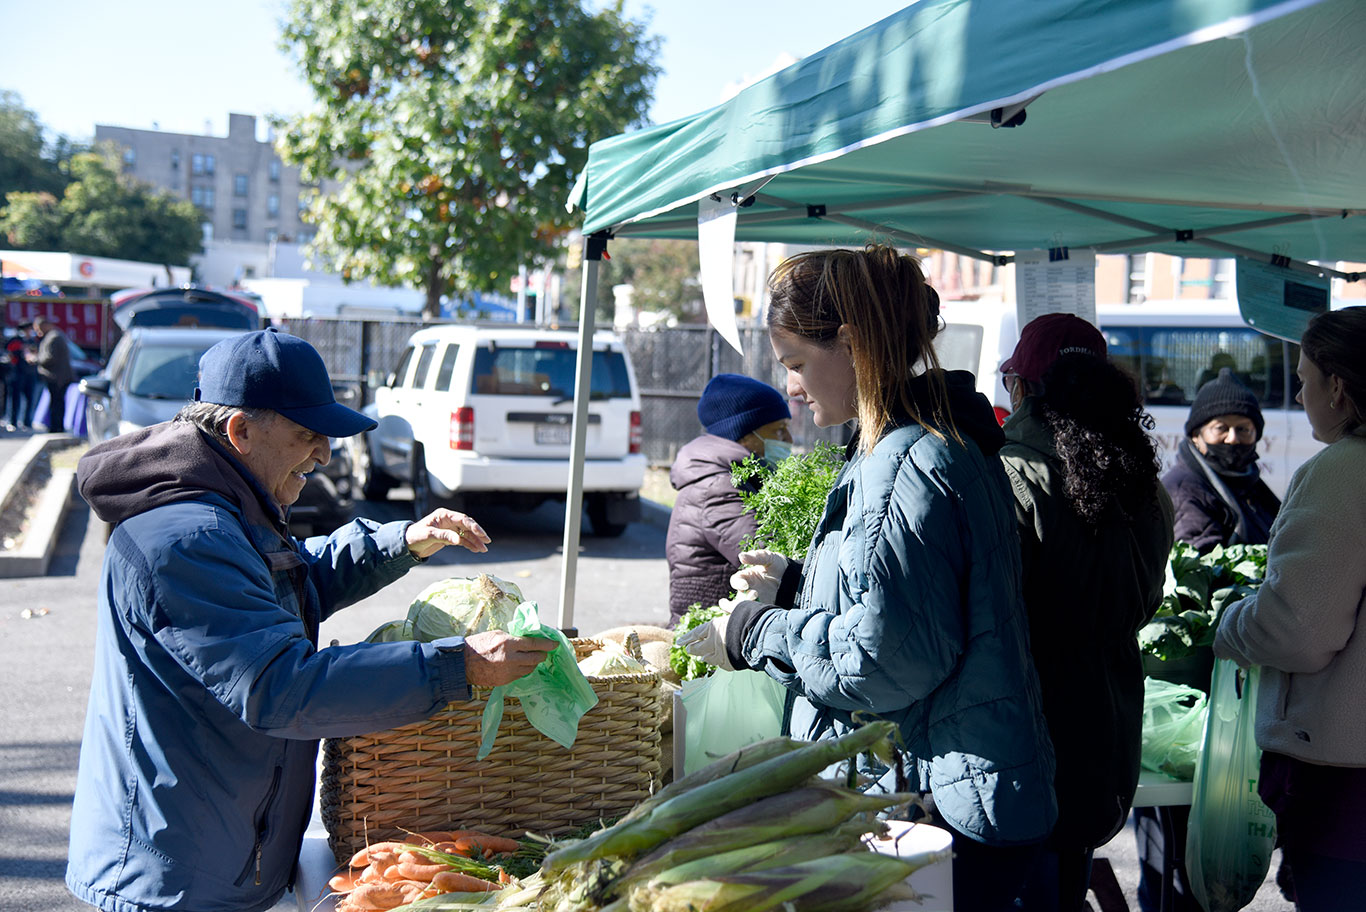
{"x":153,"y":371}
{"x":187,"y":306}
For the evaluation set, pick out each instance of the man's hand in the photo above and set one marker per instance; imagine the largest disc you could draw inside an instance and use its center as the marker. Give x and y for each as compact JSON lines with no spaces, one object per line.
{"x":759,"y":576}
{"x":494,"y":657}
{"x":444,"y":527}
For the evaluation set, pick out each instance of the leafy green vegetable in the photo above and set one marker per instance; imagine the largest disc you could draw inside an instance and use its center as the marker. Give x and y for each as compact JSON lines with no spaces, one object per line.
{"x":791,"y":497}
{"x":685,"y":665}
{"x":1198,"y":589}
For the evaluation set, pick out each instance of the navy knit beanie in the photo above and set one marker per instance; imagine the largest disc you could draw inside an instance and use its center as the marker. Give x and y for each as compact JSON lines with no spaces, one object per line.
{"x":732,"y":405}
{"x":1224,"y":395}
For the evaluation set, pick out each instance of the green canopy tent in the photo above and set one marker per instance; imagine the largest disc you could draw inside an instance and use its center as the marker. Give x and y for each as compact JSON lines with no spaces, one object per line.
{"x":982,"y":127}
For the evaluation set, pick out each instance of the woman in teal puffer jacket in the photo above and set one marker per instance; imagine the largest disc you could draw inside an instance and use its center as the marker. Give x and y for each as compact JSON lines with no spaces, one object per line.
{"x":909,"y":605}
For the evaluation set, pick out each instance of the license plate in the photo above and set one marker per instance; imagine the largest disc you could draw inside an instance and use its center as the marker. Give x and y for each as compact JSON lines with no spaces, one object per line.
{"x":552,"y":434}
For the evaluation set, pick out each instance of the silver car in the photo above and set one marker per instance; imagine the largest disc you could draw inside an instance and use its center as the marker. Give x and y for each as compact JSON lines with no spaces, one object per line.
{"x":153,"y":371}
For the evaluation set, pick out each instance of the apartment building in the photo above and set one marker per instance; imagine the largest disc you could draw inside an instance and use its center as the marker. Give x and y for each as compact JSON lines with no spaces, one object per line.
{"x":239,"y":183}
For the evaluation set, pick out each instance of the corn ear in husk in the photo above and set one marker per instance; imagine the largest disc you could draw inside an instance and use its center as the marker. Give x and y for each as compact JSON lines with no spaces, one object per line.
{"x":629,"y":838}
{"x":816,"y":808}
{"x":777,"y":853}
{"x":734,"y":762}
{"x":855,"y":880}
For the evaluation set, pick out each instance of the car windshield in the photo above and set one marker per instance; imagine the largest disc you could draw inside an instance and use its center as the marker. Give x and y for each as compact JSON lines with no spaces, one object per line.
{"x":165,"y":371}
{"x":547,"y":372}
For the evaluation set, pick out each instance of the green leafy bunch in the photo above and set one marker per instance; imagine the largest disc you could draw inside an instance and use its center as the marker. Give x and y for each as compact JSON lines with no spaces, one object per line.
{"x":1198,"y":589}
{"x":684,"y":664}
{"x":788,"y":500}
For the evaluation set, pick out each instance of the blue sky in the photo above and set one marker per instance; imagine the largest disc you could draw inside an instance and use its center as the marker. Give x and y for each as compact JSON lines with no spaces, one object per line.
{"x":185,"y":64}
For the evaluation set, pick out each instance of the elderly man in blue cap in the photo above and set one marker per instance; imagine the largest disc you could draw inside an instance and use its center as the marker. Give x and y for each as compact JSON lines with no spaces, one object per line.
{"x":210,"y":693}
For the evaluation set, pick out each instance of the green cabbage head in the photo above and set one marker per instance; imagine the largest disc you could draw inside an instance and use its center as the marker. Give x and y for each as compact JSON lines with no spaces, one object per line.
{"x":461,"y":606}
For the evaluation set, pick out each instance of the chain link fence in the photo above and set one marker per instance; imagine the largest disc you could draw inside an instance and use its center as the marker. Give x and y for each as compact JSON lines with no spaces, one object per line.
{"x":672,"y":367}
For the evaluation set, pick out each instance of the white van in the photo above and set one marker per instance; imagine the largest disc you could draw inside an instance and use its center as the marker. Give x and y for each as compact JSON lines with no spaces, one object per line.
{"x":484,"y":414}
{"x":1172,"y":347}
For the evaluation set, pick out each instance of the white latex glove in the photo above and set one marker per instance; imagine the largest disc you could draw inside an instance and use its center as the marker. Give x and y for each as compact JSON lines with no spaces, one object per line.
{"x":759,"y":576}
{"x":708,"y":642}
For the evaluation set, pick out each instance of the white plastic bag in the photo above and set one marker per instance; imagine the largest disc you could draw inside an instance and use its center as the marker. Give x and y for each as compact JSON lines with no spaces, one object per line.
{"x":727,"y":710}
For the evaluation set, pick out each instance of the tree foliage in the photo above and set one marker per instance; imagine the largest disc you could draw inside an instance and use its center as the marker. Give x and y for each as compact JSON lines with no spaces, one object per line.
{"x":103,"y":213}
{"x":26,"y":162}
{"x":455,"y":129}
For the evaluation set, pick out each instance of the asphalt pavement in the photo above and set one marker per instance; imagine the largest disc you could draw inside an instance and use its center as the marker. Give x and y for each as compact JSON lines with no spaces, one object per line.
{"x":46,"y":661}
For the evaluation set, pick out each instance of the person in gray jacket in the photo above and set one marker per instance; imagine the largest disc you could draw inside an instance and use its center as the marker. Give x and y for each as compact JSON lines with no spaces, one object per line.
{"x":54,"y":369}
{"x":909,"y":605}
{"x":1304,"y":626}
{"x":742,"y":417}
{"x":209,"y":695}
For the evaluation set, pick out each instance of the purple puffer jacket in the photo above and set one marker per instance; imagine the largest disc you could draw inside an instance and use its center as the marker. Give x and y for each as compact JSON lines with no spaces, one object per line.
{"x":708,"y":523}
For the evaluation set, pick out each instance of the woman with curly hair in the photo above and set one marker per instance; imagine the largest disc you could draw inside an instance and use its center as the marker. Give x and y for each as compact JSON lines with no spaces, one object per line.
{"x":1095,"y":531}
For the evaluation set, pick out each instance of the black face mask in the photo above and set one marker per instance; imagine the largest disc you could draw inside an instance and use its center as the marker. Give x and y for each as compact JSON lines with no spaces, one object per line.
{"x":1231,"y":458}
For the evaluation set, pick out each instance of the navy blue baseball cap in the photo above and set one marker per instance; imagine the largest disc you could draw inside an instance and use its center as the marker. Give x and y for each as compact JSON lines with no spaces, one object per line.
{"x":276,"y":371}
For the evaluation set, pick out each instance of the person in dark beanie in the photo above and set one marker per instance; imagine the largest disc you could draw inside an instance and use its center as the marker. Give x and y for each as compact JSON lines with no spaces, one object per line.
{"x":1220,"y":499}
{"x":741,"y":417}
{"x":210,"y":694}
{"x":1215,"y":485}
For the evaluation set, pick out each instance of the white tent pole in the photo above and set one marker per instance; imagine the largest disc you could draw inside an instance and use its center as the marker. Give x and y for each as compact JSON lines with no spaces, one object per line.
{"x":594,"y":247}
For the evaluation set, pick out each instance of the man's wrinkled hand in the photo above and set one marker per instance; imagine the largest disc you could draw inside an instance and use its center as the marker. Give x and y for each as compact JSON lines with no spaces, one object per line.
{"x":444,"y":527}
{"x":494,"y":657}
{"x":759,"y":576}
{"x":708,"y":642}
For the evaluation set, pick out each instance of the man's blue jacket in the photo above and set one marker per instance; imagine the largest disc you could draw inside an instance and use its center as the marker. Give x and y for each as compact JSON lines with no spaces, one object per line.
{"x":209,"y":695}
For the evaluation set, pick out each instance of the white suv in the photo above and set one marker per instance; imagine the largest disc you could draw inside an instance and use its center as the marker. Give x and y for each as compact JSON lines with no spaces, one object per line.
{"x":479,"y":413}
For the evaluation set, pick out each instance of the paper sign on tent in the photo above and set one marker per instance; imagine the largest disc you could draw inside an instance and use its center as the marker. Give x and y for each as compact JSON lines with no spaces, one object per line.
{"x":716,"y":256}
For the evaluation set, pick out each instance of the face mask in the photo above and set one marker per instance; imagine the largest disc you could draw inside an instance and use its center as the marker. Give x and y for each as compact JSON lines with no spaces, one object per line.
{"x":1231,"y":458}
{"x":775,"y":451}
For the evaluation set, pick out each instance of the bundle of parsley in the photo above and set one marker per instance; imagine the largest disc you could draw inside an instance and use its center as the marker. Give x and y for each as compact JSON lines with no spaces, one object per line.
{"x":787,"y":506}
{"x":790,"y":498}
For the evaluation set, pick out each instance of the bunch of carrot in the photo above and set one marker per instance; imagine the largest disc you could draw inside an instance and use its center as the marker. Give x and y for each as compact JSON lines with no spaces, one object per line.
{"x":386,"y":875}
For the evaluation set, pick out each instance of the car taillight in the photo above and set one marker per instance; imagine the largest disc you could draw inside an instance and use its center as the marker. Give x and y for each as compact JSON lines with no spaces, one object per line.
{"x":462,"y":428}
{"x":1001,"y":414}
{"x":635,"y":432}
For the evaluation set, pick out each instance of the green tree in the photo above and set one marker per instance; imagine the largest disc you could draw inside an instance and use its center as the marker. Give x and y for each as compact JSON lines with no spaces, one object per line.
{"x":103,"y":213}
{"x":663,"y":273}
{"x":27,"y":163}
{"x":455,"y":129}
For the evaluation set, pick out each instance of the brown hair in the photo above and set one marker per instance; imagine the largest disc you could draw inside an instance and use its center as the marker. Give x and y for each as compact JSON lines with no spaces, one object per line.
{"x":892,"y":317}
{"x":1334,"y":341}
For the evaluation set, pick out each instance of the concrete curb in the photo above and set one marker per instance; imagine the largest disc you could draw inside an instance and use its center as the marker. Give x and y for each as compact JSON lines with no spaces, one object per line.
{"x":33,"y":557}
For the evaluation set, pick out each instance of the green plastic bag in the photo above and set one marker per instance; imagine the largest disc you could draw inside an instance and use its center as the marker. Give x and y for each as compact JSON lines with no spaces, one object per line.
{"x":1231,"y":832}
{"x":554,"y":696}
{"x":1173,"y":727}
{"x":727,"y":710}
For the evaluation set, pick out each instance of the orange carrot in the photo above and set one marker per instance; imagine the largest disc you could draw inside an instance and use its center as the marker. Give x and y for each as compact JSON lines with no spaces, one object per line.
{"x":344,"y":882}
{"x":425,"y":872}
{"x":362,"y":858}
{"x":456,"y":882}
{"x":375,"y":896}
{"x":486,"y":845}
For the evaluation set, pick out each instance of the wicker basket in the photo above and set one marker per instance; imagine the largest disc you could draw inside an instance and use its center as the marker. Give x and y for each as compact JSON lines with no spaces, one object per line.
{"x":423,"y":776}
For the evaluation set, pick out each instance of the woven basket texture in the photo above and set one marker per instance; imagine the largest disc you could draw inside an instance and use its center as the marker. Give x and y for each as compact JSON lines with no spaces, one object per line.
{"x":424,"y":777}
